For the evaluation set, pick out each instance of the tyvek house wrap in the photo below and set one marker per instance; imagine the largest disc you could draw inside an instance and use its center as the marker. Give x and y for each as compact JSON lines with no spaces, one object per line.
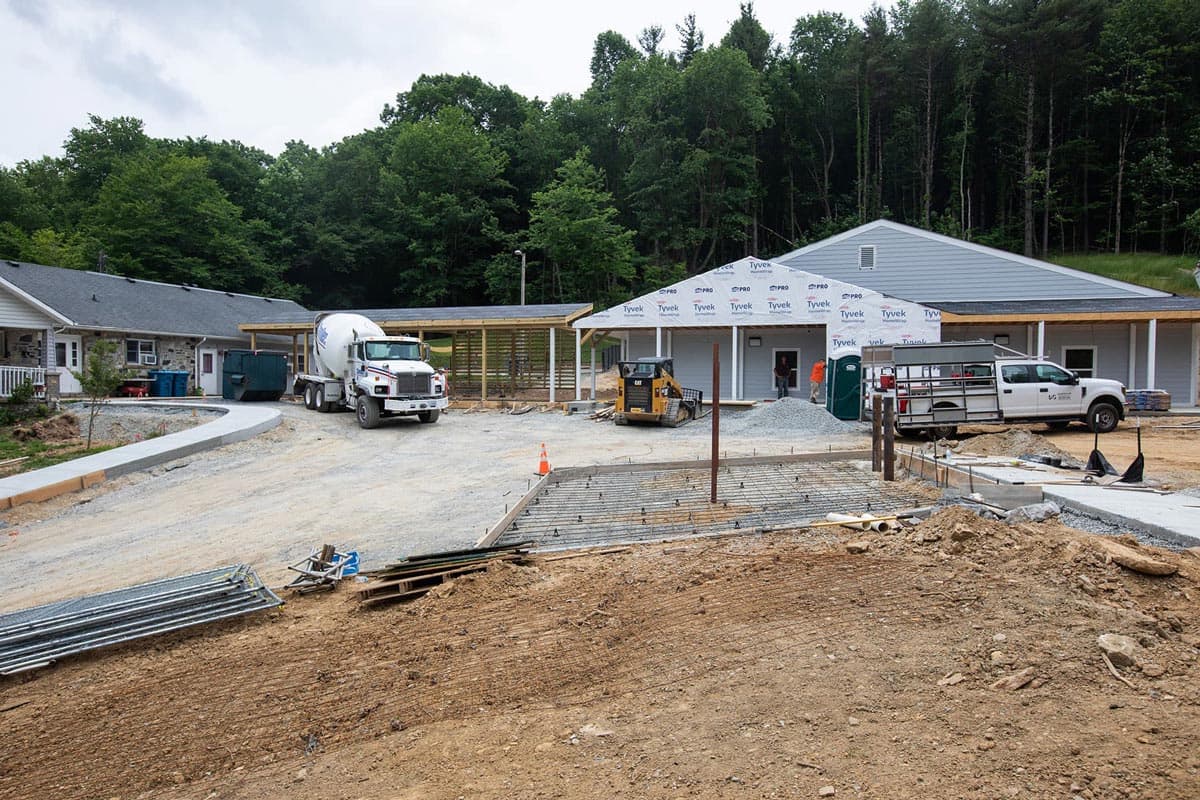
{"x":754,"y":293}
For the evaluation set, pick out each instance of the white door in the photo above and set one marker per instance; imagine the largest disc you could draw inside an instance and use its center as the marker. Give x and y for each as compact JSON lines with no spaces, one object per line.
{"x":209,"y":369}
{"x":68,"y":356}
{"x":1058,"y":391}
{"x":1018,"y":390}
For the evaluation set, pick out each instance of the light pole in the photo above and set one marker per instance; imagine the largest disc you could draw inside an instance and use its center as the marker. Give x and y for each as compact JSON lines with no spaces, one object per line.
{"x":521,"y":253}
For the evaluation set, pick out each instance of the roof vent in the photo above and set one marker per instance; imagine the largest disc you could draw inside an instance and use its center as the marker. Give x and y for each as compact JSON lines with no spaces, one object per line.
{"x":131,"y":280}
{"x":267,"y":299}
{"x":94,"y":298}
{"x":866,"y":257}
{"x":184,"y":286}
{"x":14,"y":263}
{"x":229,"y":294}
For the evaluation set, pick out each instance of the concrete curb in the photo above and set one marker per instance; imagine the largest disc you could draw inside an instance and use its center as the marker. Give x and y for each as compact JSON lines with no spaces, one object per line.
{"x":239,"y":422}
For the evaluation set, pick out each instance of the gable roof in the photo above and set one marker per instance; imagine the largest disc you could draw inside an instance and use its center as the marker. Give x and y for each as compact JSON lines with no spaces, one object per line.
{"x":927,"y":267}
{"x":100,"y":301}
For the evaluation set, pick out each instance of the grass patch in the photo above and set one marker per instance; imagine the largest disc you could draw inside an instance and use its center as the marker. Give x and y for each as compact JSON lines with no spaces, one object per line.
{"x":1168,"y":273}
{"x":41,"y":454}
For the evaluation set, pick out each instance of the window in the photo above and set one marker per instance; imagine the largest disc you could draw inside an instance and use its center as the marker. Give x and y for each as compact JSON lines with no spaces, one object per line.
{"x":141,"y":351}
{"x":1048,"y":373}
{"x":866,"y":256}
{"x":1080,"y":360}
{"x":1015,"y":373}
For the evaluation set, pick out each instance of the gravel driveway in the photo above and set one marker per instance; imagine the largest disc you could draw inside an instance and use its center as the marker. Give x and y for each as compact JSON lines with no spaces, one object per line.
{"x":402,"y":488}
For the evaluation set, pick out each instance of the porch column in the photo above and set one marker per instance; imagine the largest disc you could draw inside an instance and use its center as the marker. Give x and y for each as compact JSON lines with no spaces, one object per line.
{"x":578,"y":364}
{"x":1041,"y":343}
{"x":483,"y":365}
{"x":307,"y":353}
{"x":658,"y":342}
{"x":1152,"y":354}
{"x":253,"y":340}
{"x":592,"y":395}
{"x":1132,"y":355}
{"x":1029,"y":339}
{"x":295,"y":358}
{"x":670,"y":343}
{"x":553,"y":371}
{"x":1192,"y":380}
{"x":50,"y":357}
{"x":733,"y":373}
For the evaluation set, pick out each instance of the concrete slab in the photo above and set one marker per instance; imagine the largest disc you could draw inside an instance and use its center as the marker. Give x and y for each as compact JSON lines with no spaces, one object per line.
{"x":1171,"y":516}
{"x":240,"y":421}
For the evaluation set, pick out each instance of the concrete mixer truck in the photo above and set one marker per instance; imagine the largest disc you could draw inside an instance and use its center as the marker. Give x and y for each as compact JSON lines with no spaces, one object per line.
{"x":359,"y":367}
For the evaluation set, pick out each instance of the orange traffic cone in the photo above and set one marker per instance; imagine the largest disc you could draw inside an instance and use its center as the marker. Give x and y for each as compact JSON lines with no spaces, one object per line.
{"x":544,"y":463}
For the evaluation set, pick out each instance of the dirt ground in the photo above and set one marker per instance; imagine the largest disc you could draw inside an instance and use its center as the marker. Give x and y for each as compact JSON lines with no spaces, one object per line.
{"x":756,"y":666}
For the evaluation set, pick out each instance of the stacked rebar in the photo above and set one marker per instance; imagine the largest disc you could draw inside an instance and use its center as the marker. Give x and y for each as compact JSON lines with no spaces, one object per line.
{"x":37,"y":637}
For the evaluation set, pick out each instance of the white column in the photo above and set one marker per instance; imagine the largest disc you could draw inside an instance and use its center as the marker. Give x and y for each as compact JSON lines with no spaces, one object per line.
{"x":1151,"y":354}
{"x":670,"y":343}
{"x":658,"y":342}
{"x":1041,"y":340}
{"x":553,"y":371}
{"x":733,"y":373}
{"x":1029,"y":339}
{"x":578,"y":364}
{"x":625,"y":346}
{"x":51,"y":356}
{"x":592,"y":393}
{"x":1192,"y":380}
{"x":1132,"y":355}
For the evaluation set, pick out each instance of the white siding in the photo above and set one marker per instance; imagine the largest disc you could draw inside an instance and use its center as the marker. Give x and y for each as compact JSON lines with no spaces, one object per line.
{"x":692,"y":351}
{"x":16,"y":313}
{"x":758,"y":376}
{"x":1174,"y":367}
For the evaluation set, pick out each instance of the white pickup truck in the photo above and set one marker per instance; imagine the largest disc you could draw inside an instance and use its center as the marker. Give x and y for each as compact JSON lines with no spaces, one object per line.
{"x":938,"y":387}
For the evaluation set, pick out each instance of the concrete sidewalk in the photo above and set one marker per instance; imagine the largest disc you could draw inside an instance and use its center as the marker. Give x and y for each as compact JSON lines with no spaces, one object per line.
{"x":240,"y":421}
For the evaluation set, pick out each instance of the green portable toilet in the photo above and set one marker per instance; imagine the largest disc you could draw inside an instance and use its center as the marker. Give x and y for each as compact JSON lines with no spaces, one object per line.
{"x":253,"y":375}
{"x":843,"y":385}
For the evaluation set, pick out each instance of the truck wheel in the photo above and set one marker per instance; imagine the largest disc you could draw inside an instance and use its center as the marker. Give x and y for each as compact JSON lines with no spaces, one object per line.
{"x":368,"y":411}
{"x":943,"y":431}
{"x":310,"y":396}
{"x":429,"y":416}
{"x":1103,"y":418}
{"x":319,"y":399}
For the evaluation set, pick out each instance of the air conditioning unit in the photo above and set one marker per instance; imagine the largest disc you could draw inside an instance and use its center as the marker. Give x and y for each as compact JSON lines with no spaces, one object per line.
{"x":149,"y":359}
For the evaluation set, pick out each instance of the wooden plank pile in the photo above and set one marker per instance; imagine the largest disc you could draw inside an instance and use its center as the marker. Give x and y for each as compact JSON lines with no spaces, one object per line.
{"x":603,"y":414}
{"x":416,"y":575}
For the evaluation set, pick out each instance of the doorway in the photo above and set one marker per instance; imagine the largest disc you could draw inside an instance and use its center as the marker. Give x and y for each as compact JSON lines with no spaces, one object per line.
{"x":208,"y":371}
{"x":68,"y":356}
{"x":778,"y":354}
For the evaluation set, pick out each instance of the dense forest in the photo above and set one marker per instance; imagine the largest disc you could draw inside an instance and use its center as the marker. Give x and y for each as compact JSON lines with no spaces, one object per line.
{"x":1039,"y":126}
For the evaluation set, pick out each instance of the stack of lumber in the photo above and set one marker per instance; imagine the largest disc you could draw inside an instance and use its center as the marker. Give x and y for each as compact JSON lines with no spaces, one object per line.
{"x":605,"y":413}
{"x":416,"y":575}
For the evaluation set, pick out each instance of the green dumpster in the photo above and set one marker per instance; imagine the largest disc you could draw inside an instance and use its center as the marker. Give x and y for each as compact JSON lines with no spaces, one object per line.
{"x":254,"y":375}
{"x":843,"y":386}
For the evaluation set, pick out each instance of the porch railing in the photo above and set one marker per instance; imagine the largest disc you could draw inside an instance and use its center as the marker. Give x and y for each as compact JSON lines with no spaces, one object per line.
{"x":12,"y":377}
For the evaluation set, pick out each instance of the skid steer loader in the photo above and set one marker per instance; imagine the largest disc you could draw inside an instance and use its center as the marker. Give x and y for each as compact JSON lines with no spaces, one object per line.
{"x":647,"y":392}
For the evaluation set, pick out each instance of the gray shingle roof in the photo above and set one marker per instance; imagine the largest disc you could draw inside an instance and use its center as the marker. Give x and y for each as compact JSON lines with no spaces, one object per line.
{"x":1111,"y":305}
{"x":95,"y":300}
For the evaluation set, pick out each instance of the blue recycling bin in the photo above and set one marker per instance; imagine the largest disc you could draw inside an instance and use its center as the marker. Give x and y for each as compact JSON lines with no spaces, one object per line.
{"x":180,"y":383}
{"x":163,"y":382}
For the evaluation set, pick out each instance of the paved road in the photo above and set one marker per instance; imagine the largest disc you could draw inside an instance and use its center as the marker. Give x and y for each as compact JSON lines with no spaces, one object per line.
{"x":400,"y":489}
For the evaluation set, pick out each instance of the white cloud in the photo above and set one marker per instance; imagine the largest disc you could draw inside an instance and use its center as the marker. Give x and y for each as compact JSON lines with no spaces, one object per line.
{"x":267,"y":71}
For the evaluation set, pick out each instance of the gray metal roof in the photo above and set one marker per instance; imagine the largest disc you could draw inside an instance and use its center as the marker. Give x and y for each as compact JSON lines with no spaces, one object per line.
{"x":926,"y":267}
{"x":1099,"y":305}
{"x":94,"y":300}
{"x":446,"y":314}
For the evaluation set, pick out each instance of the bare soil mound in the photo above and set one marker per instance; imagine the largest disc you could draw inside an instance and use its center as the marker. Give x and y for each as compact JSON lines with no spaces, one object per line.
{"x":1015,"y":442}
{"x":957,"y":659}
{"x":61,"y":428}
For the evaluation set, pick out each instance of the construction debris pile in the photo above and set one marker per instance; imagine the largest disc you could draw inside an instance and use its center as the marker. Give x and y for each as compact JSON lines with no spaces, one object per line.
{"x":416,"y":575}
{"x":37,"y":637}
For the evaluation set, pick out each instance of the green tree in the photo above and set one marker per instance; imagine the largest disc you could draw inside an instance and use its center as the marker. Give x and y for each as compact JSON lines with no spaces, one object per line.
{"x":589,"y":256}
{"x":748,"y":35}
{"x":100,"y":377}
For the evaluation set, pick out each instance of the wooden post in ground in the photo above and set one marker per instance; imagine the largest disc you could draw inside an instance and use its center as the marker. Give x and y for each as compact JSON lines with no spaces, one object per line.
{"x":483,"y":367}
{"x":876,"y":432}
{"x":889,"y":438}
{"x":716,"y":420}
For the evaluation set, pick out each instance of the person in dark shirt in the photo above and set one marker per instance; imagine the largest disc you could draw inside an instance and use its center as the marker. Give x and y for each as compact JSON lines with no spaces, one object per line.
{"x":783,"y":374}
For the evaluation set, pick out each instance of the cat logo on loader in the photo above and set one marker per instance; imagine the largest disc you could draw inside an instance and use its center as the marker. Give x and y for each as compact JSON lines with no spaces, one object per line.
{"x":648,"y":392}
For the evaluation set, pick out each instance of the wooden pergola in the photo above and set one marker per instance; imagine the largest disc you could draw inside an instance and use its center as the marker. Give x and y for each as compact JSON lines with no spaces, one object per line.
{"x":522,"y":341}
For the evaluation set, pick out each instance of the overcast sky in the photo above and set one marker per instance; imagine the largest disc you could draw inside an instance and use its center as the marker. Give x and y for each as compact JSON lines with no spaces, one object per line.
{"x":266,"y":71}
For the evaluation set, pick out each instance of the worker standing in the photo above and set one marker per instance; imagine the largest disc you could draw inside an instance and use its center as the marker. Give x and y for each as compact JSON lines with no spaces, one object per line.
{"x":815,"y":379}
{"x":783,"y":375}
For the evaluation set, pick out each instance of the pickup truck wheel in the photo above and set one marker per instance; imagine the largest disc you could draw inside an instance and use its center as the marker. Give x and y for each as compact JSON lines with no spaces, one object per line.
{"x":310,"y":396}
{"x":319,"y":400}
{"x":429,"y":416}
{"x":940,"y":432}
{"x":368,"y":411}
{"x":1103,"y":418}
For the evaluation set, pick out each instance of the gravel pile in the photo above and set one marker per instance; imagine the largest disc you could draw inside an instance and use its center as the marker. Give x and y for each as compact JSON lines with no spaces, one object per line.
{"x":125,"y":424}
{"x":789,"y":414}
